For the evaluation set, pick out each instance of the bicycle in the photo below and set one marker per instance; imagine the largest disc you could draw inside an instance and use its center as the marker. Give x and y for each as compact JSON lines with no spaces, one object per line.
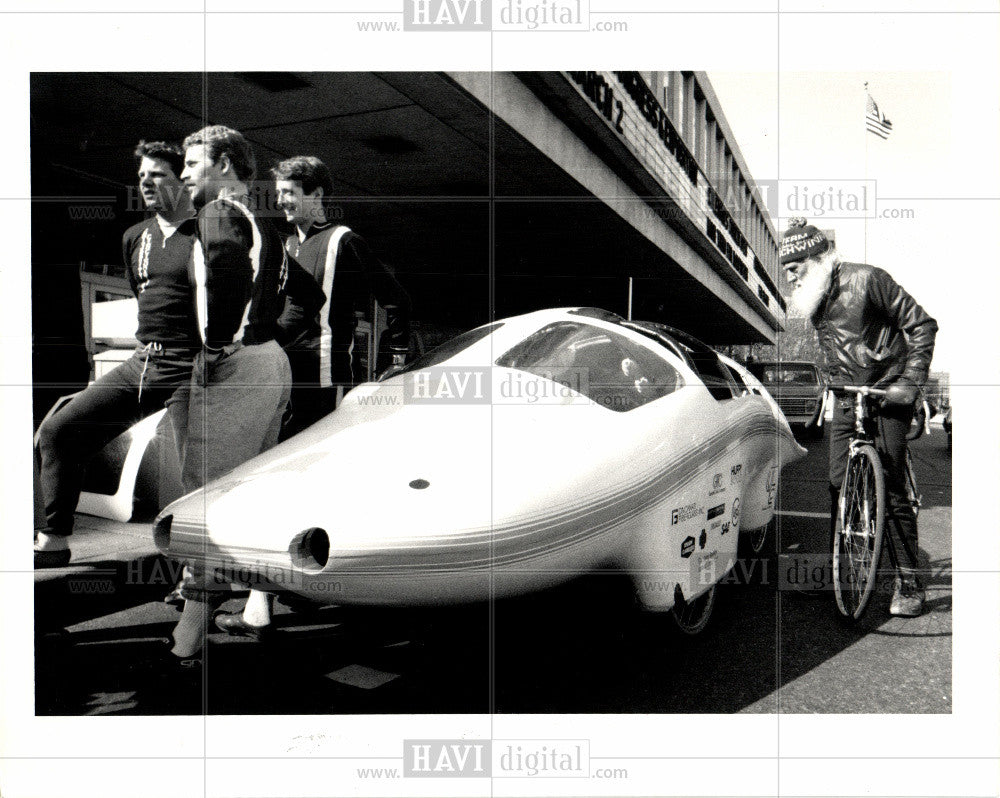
{"x":858,"y":537}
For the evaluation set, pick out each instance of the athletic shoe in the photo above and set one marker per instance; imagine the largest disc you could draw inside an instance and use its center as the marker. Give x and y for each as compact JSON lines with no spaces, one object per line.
{"x":232,"y":624}
{"x":907,"y":598}
{"x":56,"y":554}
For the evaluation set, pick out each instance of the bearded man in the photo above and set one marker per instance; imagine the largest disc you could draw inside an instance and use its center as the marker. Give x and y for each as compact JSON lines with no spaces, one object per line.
{"x":872,"y":333}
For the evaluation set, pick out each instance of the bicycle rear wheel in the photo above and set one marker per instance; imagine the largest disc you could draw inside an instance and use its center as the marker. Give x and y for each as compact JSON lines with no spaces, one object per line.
{"x":857,"y":544}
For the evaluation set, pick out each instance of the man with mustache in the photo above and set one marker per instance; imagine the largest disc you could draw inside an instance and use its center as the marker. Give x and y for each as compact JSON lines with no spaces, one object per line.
{"x":872,"y":333}
{"x":156,"y":254}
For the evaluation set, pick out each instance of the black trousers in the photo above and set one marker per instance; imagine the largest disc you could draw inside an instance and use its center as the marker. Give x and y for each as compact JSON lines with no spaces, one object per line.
{"x":96,"y":416}
{"x":310,"y":400}
{"x":890,"y":441}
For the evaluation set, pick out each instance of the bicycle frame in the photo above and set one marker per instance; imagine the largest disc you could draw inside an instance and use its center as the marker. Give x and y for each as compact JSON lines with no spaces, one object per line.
{"x":862,"y":398}
{"x":863,"y":445}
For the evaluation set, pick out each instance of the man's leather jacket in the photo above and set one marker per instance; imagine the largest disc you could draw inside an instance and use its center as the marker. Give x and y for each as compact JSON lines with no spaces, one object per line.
{"x":871,"y":330}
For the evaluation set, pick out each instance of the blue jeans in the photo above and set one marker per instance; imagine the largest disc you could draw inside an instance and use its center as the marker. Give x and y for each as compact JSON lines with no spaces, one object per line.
{"x":230,"y":410}
{"x":96,"y":416}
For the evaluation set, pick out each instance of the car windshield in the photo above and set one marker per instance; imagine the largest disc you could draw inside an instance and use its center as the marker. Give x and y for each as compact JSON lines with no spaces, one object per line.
{"x":606,"y":367}
{"x":450,"y":348}
{"x":774,"y":373}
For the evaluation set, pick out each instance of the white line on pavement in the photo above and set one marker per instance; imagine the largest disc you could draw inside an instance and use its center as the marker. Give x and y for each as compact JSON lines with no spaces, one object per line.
{"x":801,"y":514}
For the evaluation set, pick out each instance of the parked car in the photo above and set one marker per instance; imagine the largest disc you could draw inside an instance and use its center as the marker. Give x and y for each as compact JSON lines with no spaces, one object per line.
{"x":797,"y":386}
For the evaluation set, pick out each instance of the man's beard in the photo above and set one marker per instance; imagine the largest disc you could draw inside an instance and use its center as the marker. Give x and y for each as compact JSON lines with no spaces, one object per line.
{"x":813,"y":286}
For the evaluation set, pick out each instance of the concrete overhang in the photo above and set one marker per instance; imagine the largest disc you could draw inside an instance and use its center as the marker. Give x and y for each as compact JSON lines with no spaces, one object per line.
{"x":481,"y":196}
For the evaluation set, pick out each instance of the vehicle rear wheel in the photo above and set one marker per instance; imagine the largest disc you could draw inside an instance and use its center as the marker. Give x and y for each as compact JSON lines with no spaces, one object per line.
{"x":857,"y":543}
{"x":758,"y":552}
{"x":691,"y":617}
{"x":758,"y":541}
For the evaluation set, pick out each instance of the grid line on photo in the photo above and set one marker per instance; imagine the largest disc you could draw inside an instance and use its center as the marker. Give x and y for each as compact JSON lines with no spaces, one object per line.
{"x":610,"y":757}
{"x":491,"y":316}
{"x":205,"y":653}
{"x":505,"y":198}
{"x":622,"y":12}
{"x":779,"y":682}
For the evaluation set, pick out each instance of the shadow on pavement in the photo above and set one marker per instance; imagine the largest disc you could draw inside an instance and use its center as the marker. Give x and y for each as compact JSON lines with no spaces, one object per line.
{"x":583,"y":647}
{"x":68,"y":596}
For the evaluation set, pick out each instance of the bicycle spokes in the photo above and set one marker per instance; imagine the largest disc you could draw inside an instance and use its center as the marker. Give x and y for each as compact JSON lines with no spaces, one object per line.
{"x":859,"y":532}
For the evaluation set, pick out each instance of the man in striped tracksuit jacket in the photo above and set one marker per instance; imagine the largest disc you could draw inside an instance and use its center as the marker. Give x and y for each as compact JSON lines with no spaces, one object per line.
{"x":343,"y":264}
{"x":241,"y":380}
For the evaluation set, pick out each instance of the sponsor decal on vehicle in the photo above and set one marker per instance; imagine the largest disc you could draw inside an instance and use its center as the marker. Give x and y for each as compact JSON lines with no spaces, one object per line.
{"x":687,"y":547}
{"x":717,"y":485}
{"x":725,"y":528}
{"x":771,"y":486}
{"x":736,"y":511}
{"x":736,"y":474}
{"x":702,"y":539}
{"x":707,"y":568}
{"x":716,"y":511}
{"x":685,"y":513}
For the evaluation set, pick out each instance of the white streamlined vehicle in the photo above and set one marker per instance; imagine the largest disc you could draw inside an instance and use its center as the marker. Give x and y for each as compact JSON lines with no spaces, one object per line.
{"x":512,"y":458}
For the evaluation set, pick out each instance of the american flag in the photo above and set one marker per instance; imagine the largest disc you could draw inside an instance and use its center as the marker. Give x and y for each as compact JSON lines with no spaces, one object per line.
{"x":876,"y":121}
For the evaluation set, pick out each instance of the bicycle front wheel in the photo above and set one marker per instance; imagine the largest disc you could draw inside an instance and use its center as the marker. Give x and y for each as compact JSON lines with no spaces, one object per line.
{"x":857,"y":544}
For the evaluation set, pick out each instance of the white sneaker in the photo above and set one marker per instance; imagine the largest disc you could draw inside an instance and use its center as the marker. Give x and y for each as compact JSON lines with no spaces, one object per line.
{"x":907,"y":598}
{"x":51,"y":551}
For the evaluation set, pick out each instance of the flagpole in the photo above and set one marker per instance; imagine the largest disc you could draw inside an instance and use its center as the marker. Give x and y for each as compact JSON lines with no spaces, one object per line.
{"x":864,"y":133}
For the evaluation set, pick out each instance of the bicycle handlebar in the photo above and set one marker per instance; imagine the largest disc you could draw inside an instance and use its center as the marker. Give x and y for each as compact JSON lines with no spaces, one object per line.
{"x":833,"y":389}
{"x":864,"y":390}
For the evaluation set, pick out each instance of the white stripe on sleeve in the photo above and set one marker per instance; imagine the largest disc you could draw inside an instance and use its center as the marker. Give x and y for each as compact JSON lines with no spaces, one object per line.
{"x":326,"y":331}
{"x":200,"y":288}
{"x":254,"y":264}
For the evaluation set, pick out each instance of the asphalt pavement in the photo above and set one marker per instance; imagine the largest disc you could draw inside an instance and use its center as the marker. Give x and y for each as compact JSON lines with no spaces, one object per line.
{"x":774,"y":643}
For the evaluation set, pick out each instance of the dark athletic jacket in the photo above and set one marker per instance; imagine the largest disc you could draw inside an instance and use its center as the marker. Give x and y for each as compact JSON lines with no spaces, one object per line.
{"x":241,"y":275}
{"x":872,"y":331}
{"x":158,"y":273}
{"x":344,"y":266}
